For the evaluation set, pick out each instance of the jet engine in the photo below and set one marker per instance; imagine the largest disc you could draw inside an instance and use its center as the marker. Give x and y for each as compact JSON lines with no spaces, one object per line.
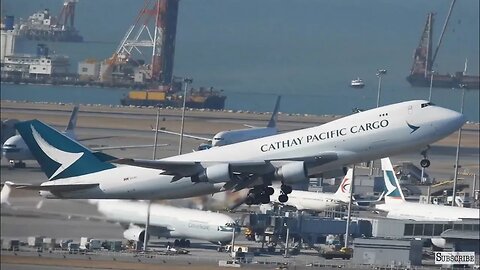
{"x":135,"y":233}
{"x":292,"y":172}
{"x":214,"y":174}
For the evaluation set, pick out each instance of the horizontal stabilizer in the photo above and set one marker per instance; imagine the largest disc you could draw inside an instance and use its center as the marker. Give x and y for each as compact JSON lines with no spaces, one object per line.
{"x":5,"y":193}
{"x":54,"y":188}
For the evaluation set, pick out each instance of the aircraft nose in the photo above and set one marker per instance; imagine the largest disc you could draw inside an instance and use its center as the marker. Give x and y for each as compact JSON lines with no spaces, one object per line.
{"x":451,"y":120}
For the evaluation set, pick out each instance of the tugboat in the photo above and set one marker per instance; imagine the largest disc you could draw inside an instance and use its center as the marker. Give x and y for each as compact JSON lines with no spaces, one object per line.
{"x":357,"y":83}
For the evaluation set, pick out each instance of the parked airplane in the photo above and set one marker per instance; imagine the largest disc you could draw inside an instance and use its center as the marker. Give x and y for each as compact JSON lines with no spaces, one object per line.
{"x":8,"y":129}
{"x":168,"y":221}
{"x":397,"y":208}
{"x":76,"y":172}
{"x":237,"y":135}
{"x":15,"y":150}
{"x":178,"y":223}
{"x":316,"y":201}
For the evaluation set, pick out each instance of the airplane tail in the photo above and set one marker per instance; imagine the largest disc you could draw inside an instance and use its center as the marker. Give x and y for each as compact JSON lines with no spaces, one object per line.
{"x":58,"y":155}
{"x":392,"y":185}
{"x":273,"y":121}
{"x":72,"y":123}
{"x":343,"y":190}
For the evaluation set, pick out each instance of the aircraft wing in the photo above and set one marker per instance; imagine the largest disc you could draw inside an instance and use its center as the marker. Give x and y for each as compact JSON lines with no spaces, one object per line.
{"x":95,"y":138}
{"x":184,"y":135}
{"x":241,"y":169}
{"x":189,"y":168}
{"x":123,"y":147}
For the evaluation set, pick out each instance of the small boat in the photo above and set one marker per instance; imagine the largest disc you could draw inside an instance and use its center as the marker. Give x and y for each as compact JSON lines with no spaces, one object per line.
{"x":357,"y":83}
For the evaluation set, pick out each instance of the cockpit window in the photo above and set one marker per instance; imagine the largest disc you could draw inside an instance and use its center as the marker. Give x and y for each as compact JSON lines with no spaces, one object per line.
{"x":10,"y":145}
{"x":218,"y":139}
{"x":427,"y":104}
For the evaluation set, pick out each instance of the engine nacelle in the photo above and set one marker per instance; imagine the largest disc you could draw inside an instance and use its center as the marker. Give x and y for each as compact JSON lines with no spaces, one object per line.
{"x":135,"y":233}
{"x":292,"y":172}
{"x":214,"y":174}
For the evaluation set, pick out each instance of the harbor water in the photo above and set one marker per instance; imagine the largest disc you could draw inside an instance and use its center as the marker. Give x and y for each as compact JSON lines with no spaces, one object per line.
{"x":306,"y":51}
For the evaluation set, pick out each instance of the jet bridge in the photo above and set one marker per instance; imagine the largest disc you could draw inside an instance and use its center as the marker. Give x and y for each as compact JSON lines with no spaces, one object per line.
{"x":397,"y":228}
{"x":303,"y":228}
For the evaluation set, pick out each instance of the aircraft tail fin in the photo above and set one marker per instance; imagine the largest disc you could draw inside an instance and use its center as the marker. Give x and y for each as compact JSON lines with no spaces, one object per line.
{"x":273,"y":121}
{"x":392,"y":185}
{"x":5,"y":193}
{"x":72,"y":122}
{"x":343,"y":190}
{"x":58,"y":155}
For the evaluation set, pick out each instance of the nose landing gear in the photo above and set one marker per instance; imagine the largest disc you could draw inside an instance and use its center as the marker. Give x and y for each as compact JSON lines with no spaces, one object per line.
{"x":425,"y":162}
{"x":283,"y":198}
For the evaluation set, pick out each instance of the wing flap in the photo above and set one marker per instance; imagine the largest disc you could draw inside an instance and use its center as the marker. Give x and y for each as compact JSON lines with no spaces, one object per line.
{"x":178,"y":168}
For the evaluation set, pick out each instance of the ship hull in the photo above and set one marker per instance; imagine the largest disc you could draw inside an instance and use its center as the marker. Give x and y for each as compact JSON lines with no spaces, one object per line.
{"x":444,"y":81}
{"x":211,"y":102}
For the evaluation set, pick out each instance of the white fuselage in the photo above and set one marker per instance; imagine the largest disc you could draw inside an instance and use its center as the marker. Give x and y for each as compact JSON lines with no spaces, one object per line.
{"x":168,"y":221}
{"x":15,"y":148}
{"x":312,"y":201}
{"x":427,"y":212}
{"x":359,"y":137}
{"x":240,"y":135}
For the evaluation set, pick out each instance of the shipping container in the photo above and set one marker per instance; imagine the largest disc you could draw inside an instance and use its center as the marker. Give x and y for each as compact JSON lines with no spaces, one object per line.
{"x":35,"y":241}
{"x":11,"y":245}
{"x":95,"y":244}
{"x":73,"y":247}
{"x":49,"y":243}
{"x":137,"y":95}
{"x":156,"y":95}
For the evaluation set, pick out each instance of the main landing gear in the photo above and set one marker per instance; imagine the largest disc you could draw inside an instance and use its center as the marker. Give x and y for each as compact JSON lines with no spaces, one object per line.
{"x":261,"y":194}
{"x":179,"y":243}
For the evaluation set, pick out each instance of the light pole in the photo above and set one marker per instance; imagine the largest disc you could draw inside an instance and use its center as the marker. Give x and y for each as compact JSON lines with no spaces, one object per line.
{"x":347,"y":229}
{"x":232,"y":249}
{"x":285,"y":255}
{"x":458,"y":149}
{"x":380,"y":73}
{"x":147,"y":223}
{"x":145,"y":236}
{"x":431,"y":86}
{"x":186,"y":81}
{"x":156,"y":134}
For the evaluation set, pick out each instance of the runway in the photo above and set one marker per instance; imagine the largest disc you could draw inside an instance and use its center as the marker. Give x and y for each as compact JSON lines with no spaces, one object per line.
{"x":129,"y":126}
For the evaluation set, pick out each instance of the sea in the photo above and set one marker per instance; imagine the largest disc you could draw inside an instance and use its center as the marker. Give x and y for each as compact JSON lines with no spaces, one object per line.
{"x":307,"y":51}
